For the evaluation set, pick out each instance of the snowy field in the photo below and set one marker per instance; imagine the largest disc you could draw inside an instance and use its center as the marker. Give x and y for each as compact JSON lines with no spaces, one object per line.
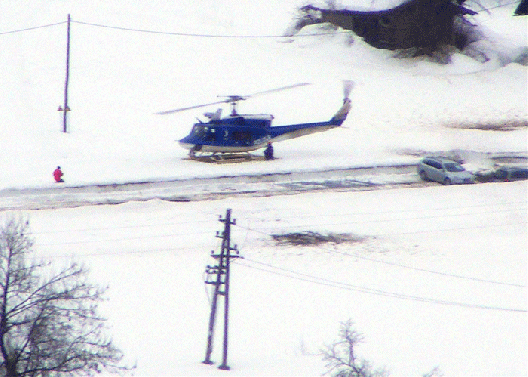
{"x":120,"y":78}
{"x":439,"y":277}
{"x":437,"y":280}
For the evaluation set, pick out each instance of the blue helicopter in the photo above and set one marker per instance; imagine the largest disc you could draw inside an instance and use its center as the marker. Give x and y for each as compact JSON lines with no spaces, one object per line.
{"x":238,"y":134}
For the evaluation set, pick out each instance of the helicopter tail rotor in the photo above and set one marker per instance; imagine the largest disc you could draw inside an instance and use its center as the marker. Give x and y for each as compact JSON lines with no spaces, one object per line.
{"x":348,"y":85}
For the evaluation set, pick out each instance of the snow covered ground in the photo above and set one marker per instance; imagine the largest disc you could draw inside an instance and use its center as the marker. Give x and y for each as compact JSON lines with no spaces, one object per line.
{"x":440,"y":276}
{"x":438,"y":280}
{"x":120,"y":78}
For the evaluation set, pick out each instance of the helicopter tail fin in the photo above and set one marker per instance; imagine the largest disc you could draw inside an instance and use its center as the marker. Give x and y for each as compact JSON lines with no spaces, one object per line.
{"x":342,"y":113}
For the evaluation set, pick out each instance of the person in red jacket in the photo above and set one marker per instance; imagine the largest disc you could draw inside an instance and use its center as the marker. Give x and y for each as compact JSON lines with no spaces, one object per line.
{"x":57,"y":174}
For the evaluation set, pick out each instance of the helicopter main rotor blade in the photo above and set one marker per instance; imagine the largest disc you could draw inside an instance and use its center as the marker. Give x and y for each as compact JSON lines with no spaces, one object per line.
{"x":190,"y":107}
{"x":278,"y":89}
{"x":232,"y":99}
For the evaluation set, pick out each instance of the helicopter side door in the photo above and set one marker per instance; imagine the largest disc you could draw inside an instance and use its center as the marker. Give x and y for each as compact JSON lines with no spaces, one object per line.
{"x":244,"y":132}
{"x":241,"y":137}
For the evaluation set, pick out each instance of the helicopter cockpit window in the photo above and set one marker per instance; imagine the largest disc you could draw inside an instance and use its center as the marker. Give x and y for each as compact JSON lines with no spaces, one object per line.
{"x":210,"y":134}
{"x":198,"y":131}
{"x":204,"y":132}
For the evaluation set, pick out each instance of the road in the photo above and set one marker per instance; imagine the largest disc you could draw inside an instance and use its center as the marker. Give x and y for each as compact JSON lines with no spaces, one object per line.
{"x":184,"y":190}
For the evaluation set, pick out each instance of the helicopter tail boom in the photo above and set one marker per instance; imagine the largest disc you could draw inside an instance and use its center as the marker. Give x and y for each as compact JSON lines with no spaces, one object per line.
{"x":297,"y":130}
{"x":293,"y":131}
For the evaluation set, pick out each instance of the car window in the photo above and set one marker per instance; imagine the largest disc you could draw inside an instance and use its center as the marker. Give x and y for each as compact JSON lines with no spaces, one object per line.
{"x":453,"y":167}
{"x":429,"y":162}
{"x":520,"y":174}
{"x":501,"y":174}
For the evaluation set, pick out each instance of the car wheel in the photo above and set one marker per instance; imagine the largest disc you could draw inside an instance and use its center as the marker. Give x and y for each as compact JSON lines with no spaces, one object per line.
{"x":423,"y":176}
{"x":447,"y":181}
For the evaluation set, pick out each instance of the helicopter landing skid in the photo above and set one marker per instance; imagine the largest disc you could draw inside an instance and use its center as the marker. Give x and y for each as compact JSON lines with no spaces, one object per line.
{"x":225,"y":157}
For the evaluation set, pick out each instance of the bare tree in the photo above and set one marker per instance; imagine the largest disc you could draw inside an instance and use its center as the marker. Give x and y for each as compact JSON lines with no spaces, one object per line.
{"x":48,"y":324}
{"x":340,"y":357}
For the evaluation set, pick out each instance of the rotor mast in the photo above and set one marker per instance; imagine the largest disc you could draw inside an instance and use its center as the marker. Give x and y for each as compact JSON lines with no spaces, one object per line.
{"x":234,"y":108}
{"x":233,"y":101}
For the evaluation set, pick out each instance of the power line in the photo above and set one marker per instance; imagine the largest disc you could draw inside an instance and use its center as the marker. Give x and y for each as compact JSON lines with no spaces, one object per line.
{"x":424,"y":270}
{"x":117,"y":253}
{"x":454,"y":229}
{"x":146,"y":226}
{"x":443,"y":209}
{"x":167,"y":235}
{"x":410,"y":267}
{"x":125,"y":238}
{"x":198,"y":35}
{"x":400,"y":220}
{"x":318,"y":247}
{"x":32,"y":28}
{"x":303,"y":277}
{"x":396,"y":233}
{"x":336,"y":284}
{"x":331,"y":283}
{"x":148,"y":237}
{"x":159,"y":32}
{"x":310,"y":216}
{"x":195,"y":35}
{"x":111,"y":228}
{"x":498,"y":6}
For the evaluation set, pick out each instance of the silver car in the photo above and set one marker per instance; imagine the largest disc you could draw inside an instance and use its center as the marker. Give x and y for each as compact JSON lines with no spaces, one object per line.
{"x":511,"y":173}
{"x":444,"y":171}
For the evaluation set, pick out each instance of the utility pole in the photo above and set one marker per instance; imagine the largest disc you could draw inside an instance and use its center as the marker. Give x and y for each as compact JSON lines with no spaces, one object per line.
{"x":221,"y":288}
{"x":66,"y":108}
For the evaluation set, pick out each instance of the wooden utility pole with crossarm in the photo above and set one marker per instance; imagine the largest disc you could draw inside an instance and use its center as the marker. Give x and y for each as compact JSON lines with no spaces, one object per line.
{"x":221,"y":288}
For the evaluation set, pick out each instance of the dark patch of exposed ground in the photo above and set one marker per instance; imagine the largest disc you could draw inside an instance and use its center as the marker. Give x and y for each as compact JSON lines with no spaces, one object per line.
{"x":505,"y":126}
{"x":310,"y":238}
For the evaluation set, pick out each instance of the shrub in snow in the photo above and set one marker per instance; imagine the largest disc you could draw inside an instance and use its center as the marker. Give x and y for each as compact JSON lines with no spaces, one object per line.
{"x":341,"y":359}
